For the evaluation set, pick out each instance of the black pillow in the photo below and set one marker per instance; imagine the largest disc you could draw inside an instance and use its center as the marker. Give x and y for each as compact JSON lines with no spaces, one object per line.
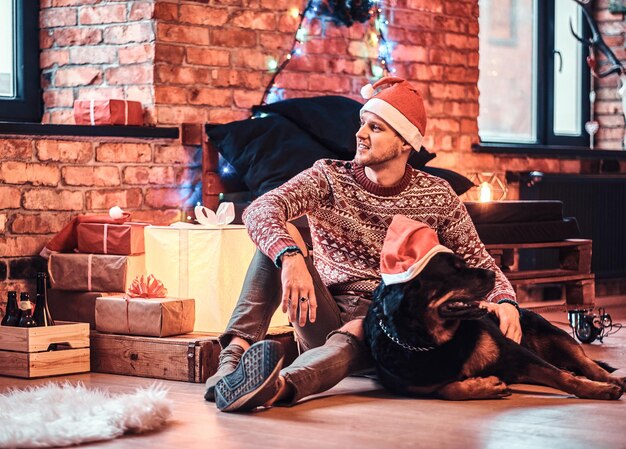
{"x":332,"y":120}
{"x":459,"y":183}
{"x":418,"y":159}
{"x":266,"y":152}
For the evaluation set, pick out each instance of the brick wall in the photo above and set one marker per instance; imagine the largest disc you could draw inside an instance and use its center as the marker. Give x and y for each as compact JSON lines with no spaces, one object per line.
{"x":44,"y":183}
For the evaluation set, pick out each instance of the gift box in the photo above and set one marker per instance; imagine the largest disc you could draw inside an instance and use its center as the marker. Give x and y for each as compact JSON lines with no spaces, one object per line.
{"x":108,"y":112}
{"x":151,"y":317}
{"x":105,"y":238}
{"x":207,"y":264}
{"x":94,"y":272}
{"x":79,"y":307}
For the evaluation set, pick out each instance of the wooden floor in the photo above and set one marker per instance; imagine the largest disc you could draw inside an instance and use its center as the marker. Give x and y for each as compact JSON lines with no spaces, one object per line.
{"x":358,"y":414}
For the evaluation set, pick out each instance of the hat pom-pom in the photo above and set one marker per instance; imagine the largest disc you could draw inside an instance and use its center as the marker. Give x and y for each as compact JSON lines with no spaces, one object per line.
{"x":116,"y":212}
{"x":367,"y":91}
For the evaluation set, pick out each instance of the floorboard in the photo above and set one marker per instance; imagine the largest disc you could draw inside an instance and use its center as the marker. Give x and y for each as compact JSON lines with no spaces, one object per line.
{"x":358,"y":413}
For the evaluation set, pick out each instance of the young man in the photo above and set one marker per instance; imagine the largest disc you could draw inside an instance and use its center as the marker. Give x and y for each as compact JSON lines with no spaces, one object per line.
{"x":349,"y":206}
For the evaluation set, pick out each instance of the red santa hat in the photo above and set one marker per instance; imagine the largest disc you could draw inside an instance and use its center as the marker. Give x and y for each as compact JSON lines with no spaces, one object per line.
{"x":400,"y":104}
{"x":408,"y":247}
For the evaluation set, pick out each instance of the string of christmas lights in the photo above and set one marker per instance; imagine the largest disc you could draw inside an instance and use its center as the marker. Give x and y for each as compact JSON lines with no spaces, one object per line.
{"x":341,"y":13}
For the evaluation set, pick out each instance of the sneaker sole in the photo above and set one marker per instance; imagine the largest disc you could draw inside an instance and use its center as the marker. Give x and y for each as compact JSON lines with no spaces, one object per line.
{"x":258,"y":367}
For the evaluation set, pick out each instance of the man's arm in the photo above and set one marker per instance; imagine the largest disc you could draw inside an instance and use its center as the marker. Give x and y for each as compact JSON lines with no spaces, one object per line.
{"x":457,"y":232}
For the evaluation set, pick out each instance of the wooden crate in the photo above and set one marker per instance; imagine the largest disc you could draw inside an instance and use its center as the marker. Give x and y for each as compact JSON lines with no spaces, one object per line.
{"x":190,"y":357}
{"x":24,"y":351}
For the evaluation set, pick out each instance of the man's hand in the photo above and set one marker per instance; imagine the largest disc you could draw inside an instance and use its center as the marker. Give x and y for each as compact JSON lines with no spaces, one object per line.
{"x":297,"y":284}
{"x":509,"y":319}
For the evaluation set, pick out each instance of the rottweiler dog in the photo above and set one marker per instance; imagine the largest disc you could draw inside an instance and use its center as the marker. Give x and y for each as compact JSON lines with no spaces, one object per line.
{"x":431,"y":336}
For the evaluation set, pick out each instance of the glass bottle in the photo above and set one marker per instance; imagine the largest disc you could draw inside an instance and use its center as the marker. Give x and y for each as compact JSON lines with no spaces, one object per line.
{"x":12,"y":312}
{"x":26,"y":320}
{"x":42,"y":314}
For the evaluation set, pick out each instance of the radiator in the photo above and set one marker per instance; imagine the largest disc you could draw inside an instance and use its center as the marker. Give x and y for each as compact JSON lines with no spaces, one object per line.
{"x":599,"y":204}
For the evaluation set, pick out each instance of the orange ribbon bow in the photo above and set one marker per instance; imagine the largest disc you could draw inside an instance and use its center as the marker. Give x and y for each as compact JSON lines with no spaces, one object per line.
{"x":149,"y":287}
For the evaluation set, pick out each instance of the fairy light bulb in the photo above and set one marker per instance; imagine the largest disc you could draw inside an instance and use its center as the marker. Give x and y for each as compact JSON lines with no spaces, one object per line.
{"x":294,"y":12}
{"x":301,"y":34}
{"x":272,"y":65}
{"x":484,"y":192}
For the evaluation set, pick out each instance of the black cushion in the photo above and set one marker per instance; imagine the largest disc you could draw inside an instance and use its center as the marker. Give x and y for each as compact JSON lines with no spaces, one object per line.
{"x":514,"y":211}
{"x":332,"y":120}
{"x":266,"y":151}
{"x":535,"y":232}
{"x":459,"y":183}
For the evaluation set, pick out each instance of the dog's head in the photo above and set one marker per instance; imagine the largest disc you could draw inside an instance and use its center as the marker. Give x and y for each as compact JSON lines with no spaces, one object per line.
{"x":433,"y":303}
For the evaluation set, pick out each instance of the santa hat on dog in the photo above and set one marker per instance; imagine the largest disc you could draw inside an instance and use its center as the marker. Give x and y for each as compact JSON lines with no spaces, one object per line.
{"x":400,"y":104}
{"x":408,"y":247}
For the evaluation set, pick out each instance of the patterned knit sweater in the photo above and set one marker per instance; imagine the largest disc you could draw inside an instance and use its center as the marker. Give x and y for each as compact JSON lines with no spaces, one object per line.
{"x":349,"y":215}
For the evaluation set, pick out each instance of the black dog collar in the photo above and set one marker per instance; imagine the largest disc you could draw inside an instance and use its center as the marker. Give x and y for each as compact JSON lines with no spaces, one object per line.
{"x":399,"y":342}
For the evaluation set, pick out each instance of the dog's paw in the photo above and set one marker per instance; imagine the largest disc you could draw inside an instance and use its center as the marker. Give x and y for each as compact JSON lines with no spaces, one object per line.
{"x":491,"y":387}
{"x":476,"y":388}
{"x":619,"y":381}
{"x":601,"y":390}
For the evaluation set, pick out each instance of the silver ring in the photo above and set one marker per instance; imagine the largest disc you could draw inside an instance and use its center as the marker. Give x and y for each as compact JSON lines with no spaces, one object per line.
{"x":304,"y":299}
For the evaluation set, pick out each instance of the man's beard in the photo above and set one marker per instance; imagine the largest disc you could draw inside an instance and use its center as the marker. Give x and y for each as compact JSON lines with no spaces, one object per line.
{"x":370,"y":160}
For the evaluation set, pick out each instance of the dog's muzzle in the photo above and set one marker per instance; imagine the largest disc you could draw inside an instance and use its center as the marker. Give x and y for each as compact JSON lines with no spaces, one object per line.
{"x":463,"y":310}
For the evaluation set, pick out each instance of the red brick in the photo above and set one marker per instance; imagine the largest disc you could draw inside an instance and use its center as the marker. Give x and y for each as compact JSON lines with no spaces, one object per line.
{"x":149,"y":175}
{"x":3,"y":223}
{"x":246,"y":98}
{"x":201,"y":15}
{"x":167,"y":198}
{"x":157,"y":217}
{"x":166,"y":11}
{"x":425,"y":5}
{"x":100,"y":93}
{"x":49,"y":58}
{"x":12,"y":172}
{"x":21,"y":149}
{"x":233,"y":38}
{"x":9,"y":198}
{"x":124,"y":34}
{"x":412,"y":19}
{"x":182,"y":34}
{"x":443,"y":125}
{"x":569,"y":166}
{"x":53,"y":199}
{"x":410,"y":53}
{"x":324,"y":83}
{"x":182,"y":75}
{"x":188,"y":176}
{"x":57,"y":17}
{"x":170,"y":94}
{"x":136,"y":54}
{"x":61,"y":116}
{"x":236,"y":78}
{"x":93,"y":55}
{"x":143,"y":94}
{"x":78,"y":76}
{"x":177,"y":154}
{"x":461,"y":41}
{"x":131,"y":74}
{"x":91,"y":176}
{"x":141,"y":10}
{"x":458,"y":9}
{"x":223,"y":115}
{"x":278,"y":41}
{"x":62,"y":151}
{"x":77,"y":36}
{"x":73,"y":2}
{"x":211,"y":97}
{"x":171,"y":54}
{"x":39,"y":223}
{"x":113,"y":13}
{"x":24,"y":245}
{"x":123,"y":152}
{"x":446,"y":23}
{"x":254,"y":20}
{"x":46,"y":38}
{"x":205,"y":56}
{"x":174,"y":115}
{"x":106,"y":199}
{"x":252,"y":59}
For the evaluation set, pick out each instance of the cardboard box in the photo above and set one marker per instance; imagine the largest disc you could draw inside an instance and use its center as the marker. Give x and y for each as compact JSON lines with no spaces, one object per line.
{"x":94,"y":272}
{"x":152,"y":317}
{"x":108,"y":112}
{"x":79,"y":307}
{"x":103,"y":238}
{"x":207,"y":264}
{"x":24,"y":350}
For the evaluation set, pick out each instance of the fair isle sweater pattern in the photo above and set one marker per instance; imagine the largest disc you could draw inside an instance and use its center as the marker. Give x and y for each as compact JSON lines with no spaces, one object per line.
{"x":348,"y":237}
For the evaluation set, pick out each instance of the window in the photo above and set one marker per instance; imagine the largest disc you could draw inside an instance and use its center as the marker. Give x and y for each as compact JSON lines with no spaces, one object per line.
{"x":534,"y":83}
{"x":20,"y":92}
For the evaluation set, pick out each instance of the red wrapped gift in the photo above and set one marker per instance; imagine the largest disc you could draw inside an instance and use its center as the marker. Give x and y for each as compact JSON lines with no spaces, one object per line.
{"x":108,"y":112}
{"x":104,"y":238}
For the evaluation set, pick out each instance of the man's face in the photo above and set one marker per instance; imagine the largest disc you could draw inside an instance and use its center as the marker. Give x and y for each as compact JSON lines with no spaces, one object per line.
{"x":377,"y":142}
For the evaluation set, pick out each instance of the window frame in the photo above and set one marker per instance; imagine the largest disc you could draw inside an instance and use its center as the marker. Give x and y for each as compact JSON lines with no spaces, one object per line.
{"x":27,"y":104}
{"x":544,"y":88}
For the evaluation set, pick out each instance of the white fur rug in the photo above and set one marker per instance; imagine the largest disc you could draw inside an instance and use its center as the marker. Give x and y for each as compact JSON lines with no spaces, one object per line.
{"x":65,"y":414}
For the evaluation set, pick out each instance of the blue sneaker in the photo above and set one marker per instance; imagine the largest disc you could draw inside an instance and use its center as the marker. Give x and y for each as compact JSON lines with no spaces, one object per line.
{"x":254,"y":382}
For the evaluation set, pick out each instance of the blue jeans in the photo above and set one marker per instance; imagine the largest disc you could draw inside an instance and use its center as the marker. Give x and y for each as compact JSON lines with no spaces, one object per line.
{"x":329,"y":353}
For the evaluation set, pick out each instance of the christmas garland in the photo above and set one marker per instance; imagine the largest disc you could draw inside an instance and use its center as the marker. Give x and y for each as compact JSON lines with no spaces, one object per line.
{"x":346,"y":12}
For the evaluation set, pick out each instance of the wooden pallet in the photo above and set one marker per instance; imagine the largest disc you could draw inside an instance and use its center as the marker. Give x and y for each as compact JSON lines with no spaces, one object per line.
{"x":574,"y":271}
{"x":24,"y":352}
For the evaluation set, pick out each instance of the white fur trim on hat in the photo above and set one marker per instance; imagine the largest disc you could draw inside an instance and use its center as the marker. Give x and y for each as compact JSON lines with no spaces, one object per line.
{"x":416,"y":268}
{"x":396,"y":120}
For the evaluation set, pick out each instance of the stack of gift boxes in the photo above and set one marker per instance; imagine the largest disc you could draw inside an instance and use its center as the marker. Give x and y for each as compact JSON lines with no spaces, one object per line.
{"x":104,"y":284}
